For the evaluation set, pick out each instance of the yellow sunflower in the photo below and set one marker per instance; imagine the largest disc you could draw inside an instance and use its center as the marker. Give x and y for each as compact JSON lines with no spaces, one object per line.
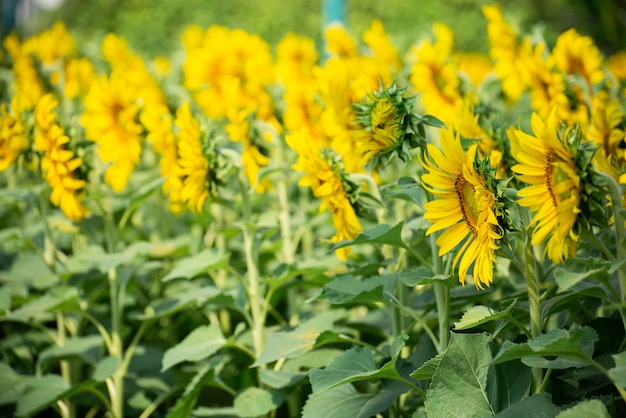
{"x":554,"y":188}
{"x":326,"y":184}
{"x":577,"y":54}
{"x":464,"y":207}
{"x":13,"y":137}
{"x":110,"y":120}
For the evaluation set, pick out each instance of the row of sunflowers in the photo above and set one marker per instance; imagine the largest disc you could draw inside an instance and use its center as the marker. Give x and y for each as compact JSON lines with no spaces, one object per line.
{"x":514,"y":158}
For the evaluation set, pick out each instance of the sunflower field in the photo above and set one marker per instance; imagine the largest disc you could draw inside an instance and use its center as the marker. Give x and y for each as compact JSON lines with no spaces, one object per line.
{"x":251,"y":229}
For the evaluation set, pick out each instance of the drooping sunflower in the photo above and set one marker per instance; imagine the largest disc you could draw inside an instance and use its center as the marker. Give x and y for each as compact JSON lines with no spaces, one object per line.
{"x":325,"y":180}
{"x":553,"y":194}
{"x":464,"y":208}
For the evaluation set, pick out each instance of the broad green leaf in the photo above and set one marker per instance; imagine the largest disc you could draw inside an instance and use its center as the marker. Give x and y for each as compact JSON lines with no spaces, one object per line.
{"x":254,"y":402}
{"x":40,"y":393}
{"x":421,"y":276}
{"x":87,"y":348}
{"x":179,"y":301}
{"x":5,"y":300}
{"x":290,"y":344}
{"x":105,"y":368}
{"x":346,"y":402}
{"x":585,"y":409}
{"x":350,"y":289}
{"x":191,"y":267}
{"x":380,"y":234}
{"x":575,"y":345}
{"x":507,"y":384}
{"x":536,"y":406}
{"x":354,"y":365}
{"x":29,"y":269}
{"x":224,"y":412}
{"x":581,"y":290}
{"x":480,"y":314}
{"x":279,"y":379}
{"x":578,"y":269}
{"x":12,"y":385}
{"x":428,"y":369}
{"x":618,"y":373}
{"x":199,"y":344}
{"x":459,"y":387}
{"x":45,"y":304}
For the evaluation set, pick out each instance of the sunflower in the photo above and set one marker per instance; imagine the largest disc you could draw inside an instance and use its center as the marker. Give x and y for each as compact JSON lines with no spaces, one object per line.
{"x":110,"y":120}
{"x":13,"y":137}
{"x":464,"y":207}
{"x":324,"y":177}
{"x":577,"y":54}
{"x":553,"y":194}
{"x":59,"y":164}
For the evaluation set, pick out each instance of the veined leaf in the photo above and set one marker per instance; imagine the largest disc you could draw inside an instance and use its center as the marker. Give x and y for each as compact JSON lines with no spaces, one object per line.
{"x":459,"y":386}
{"x":380,"y":234}
{"x":428,"y":369}
{"x":589,"y":408}
{"x":619,"y":371}
{"x":578,"y":269}
{"x":479,"y":314}
{"x":254,"y":402}
{"x":532,"y":407}
{"x":201,"y":343}
{"x":573,"y":345}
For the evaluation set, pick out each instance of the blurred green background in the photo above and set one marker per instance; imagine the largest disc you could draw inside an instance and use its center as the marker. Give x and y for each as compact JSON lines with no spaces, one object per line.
{"x":154,"y":26}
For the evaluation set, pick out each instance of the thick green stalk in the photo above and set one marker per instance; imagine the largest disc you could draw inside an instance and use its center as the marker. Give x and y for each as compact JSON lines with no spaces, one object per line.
{"x":253,"y":288}
{"x":115,"y":384}
{"x":442,"y":296}
{"x":532,"y":287}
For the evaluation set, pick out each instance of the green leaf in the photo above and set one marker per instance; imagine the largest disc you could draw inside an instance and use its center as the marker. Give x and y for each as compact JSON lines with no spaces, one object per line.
{"x":618,"y":373}
{"x":380,"y":234}
{"x":350,"y":289}
{"x":572,"y":347}
{"x":576,"y":270}
{"x":30,"y":270}
{"x":254,"y":402}
{"x":589,"y":408}
{"x":188,"y":268}
{"x":12,"y":385}
{"x":290,"y":344}
{"x":532,"y":407}
{"x":87,"y":348}
{"x":479,"y":314}
{"x":201,"y":343}
{"x":459,"y":387}
{"x":508,"y":383}
{"x":105,"y":368}
{"x":420,"y":276}
{"x":429,"y":368}
{"x":346,"y":402}
{"x":354,"y":365}
{"x":179,"y":301}
{"x":45,"y":304}
{"x":40,"y":393}
{"x":279,"y":379}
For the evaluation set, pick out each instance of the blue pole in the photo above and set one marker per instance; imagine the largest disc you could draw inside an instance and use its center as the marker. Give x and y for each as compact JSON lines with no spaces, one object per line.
{"x":333,"y":11}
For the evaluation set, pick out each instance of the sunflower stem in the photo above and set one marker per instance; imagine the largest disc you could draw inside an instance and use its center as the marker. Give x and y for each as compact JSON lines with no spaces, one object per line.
{"x":532,"y":286}
{"x":442,"y":296}
{"x":253,"y":288}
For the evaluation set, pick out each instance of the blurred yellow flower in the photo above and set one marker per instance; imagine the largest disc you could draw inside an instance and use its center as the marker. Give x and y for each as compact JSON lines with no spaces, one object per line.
{"x":28,"y":87}
{"x":606,"y":128}
{"x":554,"y":188}
{"x":324,"y":181}
{"x":504,"y":49}
{"x":58,"y":163}
{"x":13,"y":137}
{"x":193,"y":168}
{"x":339,"y":43}
{"x":385,"y":53}
{"x":577,"y":54}
{"x":464,"y":208}
{"x":110,"y":120}
{"x":79,"y":74}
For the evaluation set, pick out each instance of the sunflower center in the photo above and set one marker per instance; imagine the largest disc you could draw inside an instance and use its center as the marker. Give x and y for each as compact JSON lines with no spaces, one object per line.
{"x":467,"y":201}
{"x":552,"y":174}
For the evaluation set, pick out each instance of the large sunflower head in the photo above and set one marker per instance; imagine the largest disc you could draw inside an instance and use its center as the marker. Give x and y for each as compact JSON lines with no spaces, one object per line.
{"x":465,"y":207}
{"x":557,"y":168}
